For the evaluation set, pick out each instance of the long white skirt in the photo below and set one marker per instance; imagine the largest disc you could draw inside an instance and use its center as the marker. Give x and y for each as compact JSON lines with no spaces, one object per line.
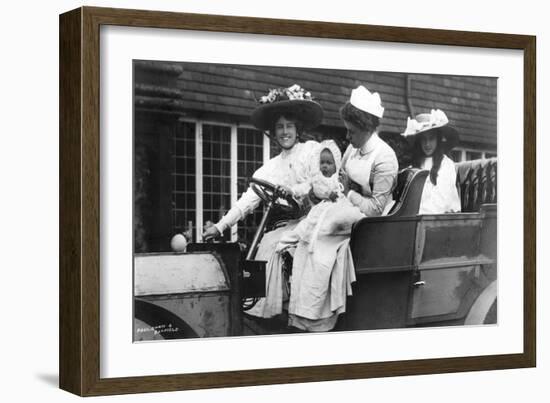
{"x":272,"y":304}
{"x":320,"y":283}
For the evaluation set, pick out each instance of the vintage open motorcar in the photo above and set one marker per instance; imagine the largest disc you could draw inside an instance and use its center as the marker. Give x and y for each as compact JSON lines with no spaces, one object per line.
{"x":412,"y":270}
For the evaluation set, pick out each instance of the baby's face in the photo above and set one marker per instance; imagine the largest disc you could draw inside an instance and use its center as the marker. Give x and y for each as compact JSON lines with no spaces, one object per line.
{"x":328,"y":166}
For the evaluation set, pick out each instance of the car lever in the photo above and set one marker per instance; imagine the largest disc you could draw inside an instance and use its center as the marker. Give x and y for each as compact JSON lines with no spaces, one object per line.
{"x":259,"y":232}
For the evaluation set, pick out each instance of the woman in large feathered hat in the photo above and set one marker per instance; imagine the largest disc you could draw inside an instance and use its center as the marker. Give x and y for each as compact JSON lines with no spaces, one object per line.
{"x":284,"y":114}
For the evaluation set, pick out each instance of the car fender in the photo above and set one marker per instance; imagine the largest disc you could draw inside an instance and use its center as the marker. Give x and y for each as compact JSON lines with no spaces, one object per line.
{"x":482,"y":305}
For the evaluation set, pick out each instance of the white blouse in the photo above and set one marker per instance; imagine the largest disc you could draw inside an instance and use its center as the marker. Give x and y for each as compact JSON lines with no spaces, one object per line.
{"x":443,"y":197}
{"x":293,"y":168}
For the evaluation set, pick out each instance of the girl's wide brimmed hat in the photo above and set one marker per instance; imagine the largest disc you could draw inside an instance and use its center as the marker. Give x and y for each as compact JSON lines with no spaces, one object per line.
{"x":292,"y":100}
{"x":435,"y":120}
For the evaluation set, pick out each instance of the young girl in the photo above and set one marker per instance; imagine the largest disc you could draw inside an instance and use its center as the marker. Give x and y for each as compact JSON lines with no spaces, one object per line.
{"x":431,"y":138}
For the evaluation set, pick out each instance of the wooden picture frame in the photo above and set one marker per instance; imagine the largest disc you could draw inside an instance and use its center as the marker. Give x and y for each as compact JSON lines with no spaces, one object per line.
{"x":80,"y":200}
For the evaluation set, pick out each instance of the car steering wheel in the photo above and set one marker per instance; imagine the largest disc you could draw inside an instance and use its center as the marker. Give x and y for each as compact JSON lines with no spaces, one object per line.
{"x":271,"y":193}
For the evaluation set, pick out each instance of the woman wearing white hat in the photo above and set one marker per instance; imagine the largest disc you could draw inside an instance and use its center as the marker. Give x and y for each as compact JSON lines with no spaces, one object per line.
{"x":285,"y":113}
{"x":369,"y":164}
{"x":323,"y":266}
{"x":431,"y":138}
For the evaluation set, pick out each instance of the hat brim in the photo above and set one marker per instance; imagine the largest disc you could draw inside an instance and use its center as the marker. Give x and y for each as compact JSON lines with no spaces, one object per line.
{"x":448,"y":135}
{"x":310,"y":113}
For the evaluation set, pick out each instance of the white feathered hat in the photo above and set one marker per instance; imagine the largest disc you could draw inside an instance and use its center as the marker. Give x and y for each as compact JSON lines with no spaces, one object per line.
{"x":425,"y":122}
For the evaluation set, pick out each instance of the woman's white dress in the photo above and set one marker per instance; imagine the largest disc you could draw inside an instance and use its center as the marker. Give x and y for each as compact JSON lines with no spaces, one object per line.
{"x":442,"y":197}
{"x":322,"y":275}
{"x":292,"y":168}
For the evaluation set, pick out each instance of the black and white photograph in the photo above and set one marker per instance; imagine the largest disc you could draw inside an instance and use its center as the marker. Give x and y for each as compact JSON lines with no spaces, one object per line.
{"x":251,"y":201}
{"x":279,"y":200}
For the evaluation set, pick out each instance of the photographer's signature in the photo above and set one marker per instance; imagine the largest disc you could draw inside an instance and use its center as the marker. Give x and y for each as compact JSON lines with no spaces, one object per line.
{"x":159,"y":329}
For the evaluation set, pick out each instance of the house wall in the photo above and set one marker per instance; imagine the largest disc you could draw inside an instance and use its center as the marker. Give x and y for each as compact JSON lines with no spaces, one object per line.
{"x":229,"y":92}
{"x":219,"y":97}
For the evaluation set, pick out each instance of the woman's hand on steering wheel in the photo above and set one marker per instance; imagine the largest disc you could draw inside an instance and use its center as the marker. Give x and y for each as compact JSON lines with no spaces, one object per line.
{"x":284,"y":191}
{"x":275,"y":194}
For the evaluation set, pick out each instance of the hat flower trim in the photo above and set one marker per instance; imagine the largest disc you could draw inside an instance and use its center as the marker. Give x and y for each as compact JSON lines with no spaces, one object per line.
{"x":294,"y":92}
{"x":437,"y":118}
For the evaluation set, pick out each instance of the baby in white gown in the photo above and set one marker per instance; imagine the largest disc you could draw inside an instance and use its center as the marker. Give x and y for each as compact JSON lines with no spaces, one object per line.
{"x":334,"y":214}
{"x":322,"y":269}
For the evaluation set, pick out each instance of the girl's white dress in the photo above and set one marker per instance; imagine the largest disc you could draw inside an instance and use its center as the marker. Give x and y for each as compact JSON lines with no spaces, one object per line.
{"x":442,"y":197}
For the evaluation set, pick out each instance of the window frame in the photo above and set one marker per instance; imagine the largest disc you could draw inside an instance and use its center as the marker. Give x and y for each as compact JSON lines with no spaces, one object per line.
{"x":199,"y":191}
{"x":464,"y":150}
